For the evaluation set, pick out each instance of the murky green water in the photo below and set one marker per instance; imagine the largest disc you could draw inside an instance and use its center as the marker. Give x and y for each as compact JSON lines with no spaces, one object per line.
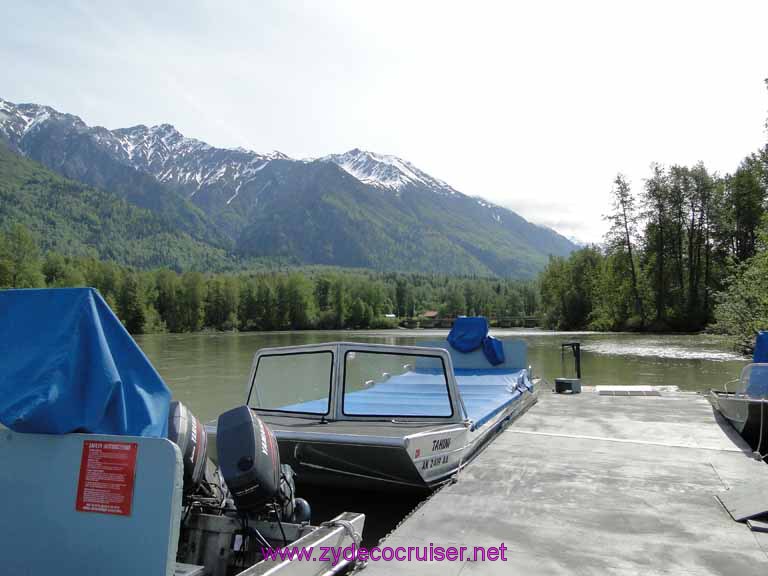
{"x":208,"y":371}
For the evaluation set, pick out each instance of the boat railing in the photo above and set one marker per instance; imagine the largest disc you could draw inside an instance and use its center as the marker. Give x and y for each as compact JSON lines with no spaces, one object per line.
{"x":725,"y":384}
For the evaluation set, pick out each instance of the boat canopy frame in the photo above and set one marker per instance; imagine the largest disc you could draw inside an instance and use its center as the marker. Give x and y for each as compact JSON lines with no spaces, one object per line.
{"x":339,"y":351}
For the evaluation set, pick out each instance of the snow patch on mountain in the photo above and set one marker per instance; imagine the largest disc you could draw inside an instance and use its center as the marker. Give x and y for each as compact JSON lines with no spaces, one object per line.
{"x":385,"y":171}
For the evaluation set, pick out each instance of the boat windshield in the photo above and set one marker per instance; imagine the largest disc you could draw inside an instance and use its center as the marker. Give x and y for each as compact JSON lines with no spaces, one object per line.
{"x":298,"y":382}
{"x":386,"y":384}
{"x":754,"y":381}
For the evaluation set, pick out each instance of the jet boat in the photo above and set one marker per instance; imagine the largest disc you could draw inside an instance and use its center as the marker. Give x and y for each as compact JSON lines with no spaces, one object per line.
{"x":376,"y":416}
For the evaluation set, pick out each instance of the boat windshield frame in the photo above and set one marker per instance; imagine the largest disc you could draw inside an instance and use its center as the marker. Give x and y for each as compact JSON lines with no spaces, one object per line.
{"x":339,"y":352}
{"x":252,"y":391}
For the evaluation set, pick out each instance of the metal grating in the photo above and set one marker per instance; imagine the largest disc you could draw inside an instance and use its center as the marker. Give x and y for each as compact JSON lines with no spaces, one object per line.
{"x":628,"y":391}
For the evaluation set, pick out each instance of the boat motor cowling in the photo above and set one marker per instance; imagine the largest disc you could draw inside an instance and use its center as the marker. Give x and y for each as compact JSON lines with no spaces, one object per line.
{"x":248,"y":458}
{"x":188,"y":433}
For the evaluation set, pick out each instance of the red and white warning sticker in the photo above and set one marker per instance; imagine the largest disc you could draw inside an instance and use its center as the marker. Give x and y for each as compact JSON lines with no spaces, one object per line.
{"x":107,"y":474}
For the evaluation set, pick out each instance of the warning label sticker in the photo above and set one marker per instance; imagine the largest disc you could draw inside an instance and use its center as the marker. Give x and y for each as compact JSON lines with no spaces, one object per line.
{"x":107,"y":473}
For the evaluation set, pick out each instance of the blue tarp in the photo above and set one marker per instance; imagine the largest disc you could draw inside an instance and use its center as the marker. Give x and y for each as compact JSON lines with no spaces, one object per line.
{"x":761,"y":348}
{"x":67,"y":364}
{"x":470,"y":333}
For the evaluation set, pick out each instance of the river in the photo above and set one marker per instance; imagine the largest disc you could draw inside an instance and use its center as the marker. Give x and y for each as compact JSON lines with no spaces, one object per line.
{"x":208,"y":371}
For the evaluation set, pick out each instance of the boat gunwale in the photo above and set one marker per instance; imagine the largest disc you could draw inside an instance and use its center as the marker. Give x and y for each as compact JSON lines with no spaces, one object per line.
{"x":735,"y":396}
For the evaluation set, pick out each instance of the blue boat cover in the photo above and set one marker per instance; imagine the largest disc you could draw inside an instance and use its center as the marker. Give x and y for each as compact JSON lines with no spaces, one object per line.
{"x":467,"y":334}
{"x":761,"y":348}
{"x":493,"y":349}
{"x":470,"y":333}
{"x":68,"y":365}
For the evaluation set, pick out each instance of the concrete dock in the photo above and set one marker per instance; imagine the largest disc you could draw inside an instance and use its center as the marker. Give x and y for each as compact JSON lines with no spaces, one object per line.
{"x":593,"y":485}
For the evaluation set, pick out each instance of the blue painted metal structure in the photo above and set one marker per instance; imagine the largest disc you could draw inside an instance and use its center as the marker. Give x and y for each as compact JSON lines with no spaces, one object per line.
{"x":41,"y":532}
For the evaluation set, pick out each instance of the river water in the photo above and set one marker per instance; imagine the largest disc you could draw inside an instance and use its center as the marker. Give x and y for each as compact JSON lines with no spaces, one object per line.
{"x":208,"y":371}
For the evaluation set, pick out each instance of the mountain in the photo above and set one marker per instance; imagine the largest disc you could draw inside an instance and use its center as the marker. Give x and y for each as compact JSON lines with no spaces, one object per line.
{"x":72,"y":218}
{"x":357,"y":209}
{"x":92,"y":155}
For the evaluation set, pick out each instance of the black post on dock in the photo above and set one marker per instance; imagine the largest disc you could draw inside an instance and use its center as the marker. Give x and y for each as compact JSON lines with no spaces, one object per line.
{"x":576,"y":349}
{"x":572,"y":385}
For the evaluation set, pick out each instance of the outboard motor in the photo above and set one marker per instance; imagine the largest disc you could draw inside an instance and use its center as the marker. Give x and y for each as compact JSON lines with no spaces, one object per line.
{"x":230,"y":511}
{"x":188,"y":433}
{"x":249,"y":460}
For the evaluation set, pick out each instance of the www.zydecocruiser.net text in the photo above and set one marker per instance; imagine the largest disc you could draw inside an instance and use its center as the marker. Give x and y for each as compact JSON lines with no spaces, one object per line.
{"x":430,"y":553}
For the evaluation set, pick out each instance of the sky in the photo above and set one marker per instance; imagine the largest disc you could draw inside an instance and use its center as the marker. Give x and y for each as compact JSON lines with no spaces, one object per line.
{"x":533,"y":105}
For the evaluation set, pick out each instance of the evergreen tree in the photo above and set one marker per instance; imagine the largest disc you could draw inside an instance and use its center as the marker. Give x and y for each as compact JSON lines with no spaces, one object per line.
{"x":169,"y":296}
{"x":266,"y":306}
{"x":622,"y":233}
{"x":339,"y":303}
{"x":191,"y":309}
{"x":22,"y":259}
{"x":130,"y":306}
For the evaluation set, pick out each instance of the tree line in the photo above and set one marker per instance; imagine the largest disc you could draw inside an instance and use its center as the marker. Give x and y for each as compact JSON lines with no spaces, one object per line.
{"x":310,"y":298}
{"x":686,"y":252}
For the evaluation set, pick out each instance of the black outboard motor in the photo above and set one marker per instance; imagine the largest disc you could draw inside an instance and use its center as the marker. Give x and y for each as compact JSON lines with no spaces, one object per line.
{"x":188,"y":433}
{"x":249,"y":460}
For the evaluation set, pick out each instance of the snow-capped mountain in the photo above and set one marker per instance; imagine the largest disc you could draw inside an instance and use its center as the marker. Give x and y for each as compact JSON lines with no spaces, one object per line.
{"x":358,"y":208}
{"x":385,"y":171}
{"x":18,"y":120}
{"x":171,"y":157}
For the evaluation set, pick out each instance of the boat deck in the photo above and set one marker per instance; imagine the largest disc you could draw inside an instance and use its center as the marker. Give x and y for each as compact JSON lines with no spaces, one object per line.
{"x":594,"y":484}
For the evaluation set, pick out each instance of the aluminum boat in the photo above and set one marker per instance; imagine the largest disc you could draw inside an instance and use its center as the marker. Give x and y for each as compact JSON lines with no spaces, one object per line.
{"x":745,"y":406}
{"x":377,"y":416}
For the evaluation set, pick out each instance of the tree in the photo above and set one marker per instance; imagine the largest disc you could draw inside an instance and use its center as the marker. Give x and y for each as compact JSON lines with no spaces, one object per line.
{"x":568,"y":295}
{"x":656,"y":204}
{"x":621,"y":235}
{"x":247,"y":311}
{"x":130,"y":307}
{"x":360,"y":315}
{"x":301,"y":305}
{"x":742,"y":308}
{"x":745,"y":198}
{"x":221,"y":302}
{"x":323,"y":288}
{"x":339,"y":303}
{"x":22,"y":259}
{"x":191,"y":302}
{"x":455,"y":301}
{"x":282,"y":304}
{"x":169,"y":299}
{"x":265,"y":307}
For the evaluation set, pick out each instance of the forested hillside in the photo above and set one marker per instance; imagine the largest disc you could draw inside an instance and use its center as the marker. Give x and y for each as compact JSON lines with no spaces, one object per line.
{"x":688,"y":251}
{"x":164,"y":300}
{"x":76,"y":219}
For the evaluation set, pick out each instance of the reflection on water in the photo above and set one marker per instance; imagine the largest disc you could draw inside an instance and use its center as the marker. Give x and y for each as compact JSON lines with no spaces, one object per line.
{"x":209,"y":371}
